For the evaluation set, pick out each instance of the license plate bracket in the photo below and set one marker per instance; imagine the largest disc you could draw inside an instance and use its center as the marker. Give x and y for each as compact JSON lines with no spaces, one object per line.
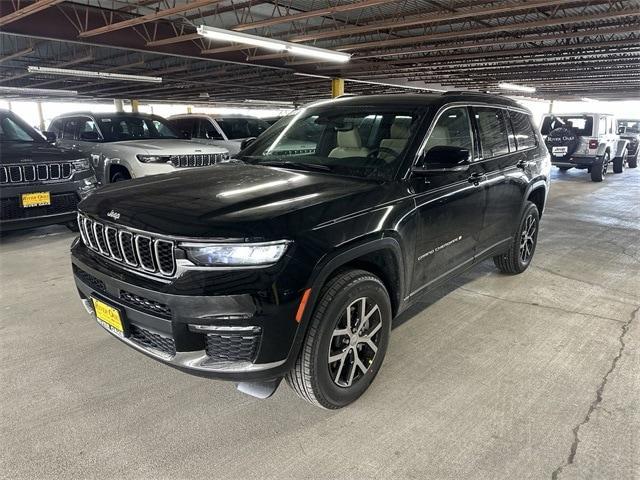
{"x":35,"y":199}
{"x":110,"y":317}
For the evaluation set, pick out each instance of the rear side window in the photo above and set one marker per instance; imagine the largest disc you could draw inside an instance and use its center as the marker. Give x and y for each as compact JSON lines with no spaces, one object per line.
{"x":493,"y":132}
{"x":524,"y":132}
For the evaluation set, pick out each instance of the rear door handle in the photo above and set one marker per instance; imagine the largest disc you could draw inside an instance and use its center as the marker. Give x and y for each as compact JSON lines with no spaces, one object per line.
{"x":476,"y":178}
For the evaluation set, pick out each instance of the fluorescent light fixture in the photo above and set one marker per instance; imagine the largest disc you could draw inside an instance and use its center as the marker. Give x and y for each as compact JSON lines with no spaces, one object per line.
{"x":517,"y":88}
{"x":88,"y":74}
{"x":269,"y":102}
{"x":38,"y":91}
{"x":587,"y":99}
{"x":272,"y":44}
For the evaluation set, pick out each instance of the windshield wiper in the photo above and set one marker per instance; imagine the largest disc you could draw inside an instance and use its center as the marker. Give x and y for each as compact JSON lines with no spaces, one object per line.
{"x":299,"y":165}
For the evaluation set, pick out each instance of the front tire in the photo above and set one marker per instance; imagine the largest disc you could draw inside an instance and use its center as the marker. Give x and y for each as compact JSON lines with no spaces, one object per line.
{"x":633,"y":161}
{"x":599,"y":168}
{"x":346,"y":341}
{"x":618,"y":163}
{"x":523,"y":246}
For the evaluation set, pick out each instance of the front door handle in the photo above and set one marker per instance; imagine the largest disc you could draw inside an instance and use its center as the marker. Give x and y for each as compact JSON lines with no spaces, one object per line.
{"x":476,"y":178}
{"x":522,"y":164}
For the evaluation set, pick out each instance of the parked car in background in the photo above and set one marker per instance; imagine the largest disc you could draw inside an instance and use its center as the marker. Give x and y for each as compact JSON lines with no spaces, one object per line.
{"x":40,"y":184}
{"x":122,"y":146}
{"x":271,"y":120}
{"x":629,"y":129}
{"x":584,"y":140}
{"x":294,"y":265}
{"x":225,"y":131}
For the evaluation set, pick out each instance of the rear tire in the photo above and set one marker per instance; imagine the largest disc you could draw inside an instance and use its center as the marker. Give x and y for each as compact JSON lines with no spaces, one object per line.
{"x":619,"y":162}
{"x":599,"y":168}
{"x":337,"y":331}
{"x":633,"y":161}
{"x":523,"y":246}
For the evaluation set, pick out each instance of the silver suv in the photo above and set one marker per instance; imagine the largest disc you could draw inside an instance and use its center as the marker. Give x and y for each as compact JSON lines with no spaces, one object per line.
{"x":585,"y":140}
{"x":130,"y":145}
{"x":224,"y":131}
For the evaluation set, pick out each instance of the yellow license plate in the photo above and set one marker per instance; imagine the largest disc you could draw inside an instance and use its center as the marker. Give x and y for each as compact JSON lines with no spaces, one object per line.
{"x":108,"y":317}
{"x":36,"y":199}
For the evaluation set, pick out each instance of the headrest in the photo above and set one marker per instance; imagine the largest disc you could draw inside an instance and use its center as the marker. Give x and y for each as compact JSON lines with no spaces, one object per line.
{"x":440,"y":135}
{"x":400,"y":128}
{"x":349,"y":139}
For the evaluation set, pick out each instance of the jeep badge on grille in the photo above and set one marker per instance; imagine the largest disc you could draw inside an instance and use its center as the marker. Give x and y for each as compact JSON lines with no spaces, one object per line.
{"x":113,"y":214}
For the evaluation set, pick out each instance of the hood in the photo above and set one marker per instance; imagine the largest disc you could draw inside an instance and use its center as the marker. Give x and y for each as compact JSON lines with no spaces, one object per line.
{"x":35,"y":152}
{"x":232,"y":200}
{"x":166,"y":146}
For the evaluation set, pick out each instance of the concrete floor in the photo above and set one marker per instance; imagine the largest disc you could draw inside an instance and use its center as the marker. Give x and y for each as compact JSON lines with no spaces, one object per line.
{"x":497,"y":377}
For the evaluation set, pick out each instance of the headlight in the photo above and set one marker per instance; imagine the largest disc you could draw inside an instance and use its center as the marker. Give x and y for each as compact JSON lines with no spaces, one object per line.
{"x":153,"y":158}
{"x":240,"y":254}
{"x":81,"y":165}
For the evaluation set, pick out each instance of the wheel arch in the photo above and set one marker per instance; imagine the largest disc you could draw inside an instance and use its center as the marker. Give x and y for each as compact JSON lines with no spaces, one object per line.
{"x":537,"y":193}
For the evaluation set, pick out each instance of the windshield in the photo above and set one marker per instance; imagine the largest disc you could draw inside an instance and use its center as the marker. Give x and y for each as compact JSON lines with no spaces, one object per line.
{"x":14,"y":130}
{"x":122,"y":127}
{"x":238,"y":128}
{"x":632,"y":126}
{"x":582,"y":124}
{"x":365,"y":141}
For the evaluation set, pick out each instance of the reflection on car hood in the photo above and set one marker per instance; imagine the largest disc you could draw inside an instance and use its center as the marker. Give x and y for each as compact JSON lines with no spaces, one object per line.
{"x":165,"y":146}
{"x":33,"y":152}
{"x":232,"y":200}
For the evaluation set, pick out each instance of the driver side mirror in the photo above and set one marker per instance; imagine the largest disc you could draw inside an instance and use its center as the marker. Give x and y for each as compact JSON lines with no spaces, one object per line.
{"x":622,"y":130}
{"x":246,"y":142}
{"x":443,"y":159}
{"x":89,"y":136}
{"x":50,"y":136}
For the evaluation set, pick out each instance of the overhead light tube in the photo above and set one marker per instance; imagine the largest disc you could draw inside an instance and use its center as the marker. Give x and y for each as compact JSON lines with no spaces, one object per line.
{"x":38,"y":91}
{"x":221,"y":34}
{"x":517,"y":88}
{"x":89,"y":74}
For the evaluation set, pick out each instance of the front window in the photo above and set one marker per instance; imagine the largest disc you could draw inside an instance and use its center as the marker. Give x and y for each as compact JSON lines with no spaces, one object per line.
{"x":13,"y":130}
{"x":119,"y":128}
{"x":632,"y":126}
{"x":582,"y":124}
{"x":364,"y":141}
{"x":238,"y":128}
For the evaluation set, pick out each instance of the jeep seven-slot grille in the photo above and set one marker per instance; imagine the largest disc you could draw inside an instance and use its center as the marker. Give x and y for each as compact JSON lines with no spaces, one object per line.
{"x":197,"y":160}
{"x":36,"y":172}
{"x":136,"y":251}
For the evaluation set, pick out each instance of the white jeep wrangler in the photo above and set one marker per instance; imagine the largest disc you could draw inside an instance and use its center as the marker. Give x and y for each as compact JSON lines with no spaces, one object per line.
{"x":585,"y":140}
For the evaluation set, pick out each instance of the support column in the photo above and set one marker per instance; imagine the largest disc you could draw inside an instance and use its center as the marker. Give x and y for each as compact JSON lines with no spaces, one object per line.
{"x":551,"y":106}
{"x":189,"y":109}
{"x":9,"y":105}
{"x":135,"y":106}
{"x":117,"y":103}
{"x":337,"y":87}
{"x":40,"y":116}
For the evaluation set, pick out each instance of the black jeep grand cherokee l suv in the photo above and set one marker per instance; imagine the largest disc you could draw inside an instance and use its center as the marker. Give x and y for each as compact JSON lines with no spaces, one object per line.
{"x":289,"y":264}
{"x":40,"y":184}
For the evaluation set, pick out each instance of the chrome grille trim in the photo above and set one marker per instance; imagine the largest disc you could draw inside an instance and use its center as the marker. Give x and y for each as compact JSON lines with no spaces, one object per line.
{"x":32,"y":172}
{"x":197,"y":160}
{"x":131,"y":250}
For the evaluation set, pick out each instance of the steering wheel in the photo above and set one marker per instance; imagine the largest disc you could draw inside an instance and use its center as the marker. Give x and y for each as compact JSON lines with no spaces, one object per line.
{"x":374,"y":153}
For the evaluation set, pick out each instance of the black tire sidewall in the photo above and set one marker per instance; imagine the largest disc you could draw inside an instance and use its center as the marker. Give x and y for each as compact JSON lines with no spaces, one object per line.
{"x":530,"y":209}
{"x":331,"y":393}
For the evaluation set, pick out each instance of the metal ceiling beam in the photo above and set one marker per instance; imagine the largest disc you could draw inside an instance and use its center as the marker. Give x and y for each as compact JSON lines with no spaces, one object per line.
{"x":431,"y":18}
{"x":518,"y":26}
{"x":310,"y":14}
{"x":28,"y":10}
{"x":132,"y":22}
{"x":18,"y":54}
{"x":171,"y":40}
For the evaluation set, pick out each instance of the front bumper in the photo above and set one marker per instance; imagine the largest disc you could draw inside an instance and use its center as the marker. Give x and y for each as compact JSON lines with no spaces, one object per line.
{"x":65,"y":197}
{"x":238,"y":337}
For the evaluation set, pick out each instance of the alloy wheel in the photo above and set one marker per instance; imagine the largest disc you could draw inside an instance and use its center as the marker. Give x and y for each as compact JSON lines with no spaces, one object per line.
{"x":528,"y":238}
{"x":354,"y":342}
